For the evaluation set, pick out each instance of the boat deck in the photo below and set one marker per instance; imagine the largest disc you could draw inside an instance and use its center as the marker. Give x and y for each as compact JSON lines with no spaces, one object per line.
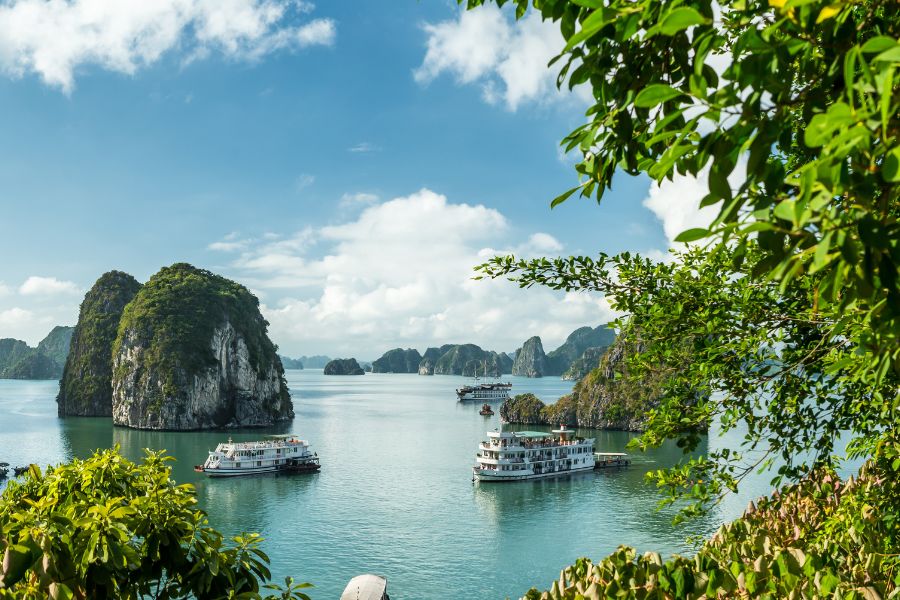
{"x":606,"y":460}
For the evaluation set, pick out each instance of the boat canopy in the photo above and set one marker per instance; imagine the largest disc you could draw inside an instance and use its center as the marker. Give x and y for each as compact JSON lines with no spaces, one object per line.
{"x":532,"y":434}
{"x":365,"y":587}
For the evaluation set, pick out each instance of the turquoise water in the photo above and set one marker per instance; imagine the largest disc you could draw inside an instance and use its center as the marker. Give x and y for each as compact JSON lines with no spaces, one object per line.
{"x":395,"y":495}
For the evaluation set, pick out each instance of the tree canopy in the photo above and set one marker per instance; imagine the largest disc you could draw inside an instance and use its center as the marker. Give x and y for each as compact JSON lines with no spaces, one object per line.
{"x":792,"y":302}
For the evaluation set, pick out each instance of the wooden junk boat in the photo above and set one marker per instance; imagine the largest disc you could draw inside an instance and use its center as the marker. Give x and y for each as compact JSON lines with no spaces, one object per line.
{"x":486,"y":410}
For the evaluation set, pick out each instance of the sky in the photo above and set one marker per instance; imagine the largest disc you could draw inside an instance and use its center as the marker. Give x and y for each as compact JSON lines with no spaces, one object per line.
{"x":349,"y":162}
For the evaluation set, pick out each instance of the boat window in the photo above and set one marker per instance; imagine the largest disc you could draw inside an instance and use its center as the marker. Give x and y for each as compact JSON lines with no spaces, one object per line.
{"x":237,"y":465}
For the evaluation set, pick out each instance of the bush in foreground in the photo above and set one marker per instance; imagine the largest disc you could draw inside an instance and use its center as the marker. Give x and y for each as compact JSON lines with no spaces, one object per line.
{"x":105,"y":527}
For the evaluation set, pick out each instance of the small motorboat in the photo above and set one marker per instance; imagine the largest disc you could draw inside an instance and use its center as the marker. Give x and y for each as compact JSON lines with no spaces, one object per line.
{"x":486,"y":410}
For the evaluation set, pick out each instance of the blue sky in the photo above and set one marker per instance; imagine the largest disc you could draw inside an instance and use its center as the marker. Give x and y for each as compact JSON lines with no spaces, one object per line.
{"x":348,"y":161}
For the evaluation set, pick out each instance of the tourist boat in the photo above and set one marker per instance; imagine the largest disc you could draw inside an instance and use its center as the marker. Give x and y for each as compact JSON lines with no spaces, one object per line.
{"x":281,"y":453}
{"x":517,"y":455}
{"x":366,"y":587}
{"x":486,"y":410}
{"x":483,"y":391}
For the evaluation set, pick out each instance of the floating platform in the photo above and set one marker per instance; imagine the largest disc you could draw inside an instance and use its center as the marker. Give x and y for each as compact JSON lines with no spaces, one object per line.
{"x":608,"y":460}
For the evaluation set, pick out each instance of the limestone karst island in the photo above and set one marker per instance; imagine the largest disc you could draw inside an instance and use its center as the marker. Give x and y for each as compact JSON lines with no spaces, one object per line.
{"x":485,"y":299}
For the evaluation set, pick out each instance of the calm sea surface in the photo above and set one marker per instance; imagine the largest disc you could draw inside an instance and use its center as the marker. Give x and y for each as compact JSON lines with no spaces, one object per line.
{"x":395,"y":493}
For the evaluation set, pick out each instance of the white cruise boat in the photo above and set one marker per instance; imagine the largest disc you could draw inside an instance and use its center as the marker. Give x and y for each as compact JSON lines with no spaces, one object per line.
{"x":517,"y":455}
{"x":285,"y":453}
{"x":483,"y":392}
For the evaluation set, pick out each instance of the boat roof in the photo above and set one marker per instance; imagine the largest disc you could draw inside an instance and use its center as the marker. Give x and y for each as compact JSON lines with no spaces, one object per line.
{"x":365,"y":587}
{"x":283,"y":436}
{"x":533,"y":434}
{"x":610,"y":454}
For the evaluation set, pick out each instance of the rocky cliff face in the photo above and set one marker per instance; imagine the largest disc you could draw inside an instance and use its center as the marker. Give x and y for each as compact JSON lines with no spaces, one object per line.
{"x":398,"y":360}
{"x":576,"y":344}
{"x":601,"y":400}
{"x":589,"y":361}
{"x":230,"y":393}
{"x":343,"y":366}
{"x":193,"y":353}
{"x":530,"y":359}
{"x":430,"y":358}
{"x":466,"y":360}
{"x":85,"y":389}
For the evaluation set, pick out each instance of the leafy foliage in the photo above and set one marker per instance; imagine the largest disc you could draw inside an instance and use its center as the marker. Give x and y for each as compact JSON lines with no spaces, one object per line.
{"x":105,"y":527}
{"x":820,"y":538}
{"x":808,"y":106}
{"x":791,"y":312}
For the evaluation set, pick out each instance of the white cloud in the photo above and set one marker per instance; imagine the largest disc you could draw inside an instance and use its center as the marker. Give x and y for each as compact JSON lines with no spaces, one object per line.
{"x":676,"y":203}
{"x":400,"y":274}
{"x":24,"y":324}
{"x":508,"y":58}
{"x":4,"y":290}
{"x":358,"y":199}
{"x":304,"y":181}
{"x":363,"y":147}
{"x":56,"y":38}
{"x":47,"y":286}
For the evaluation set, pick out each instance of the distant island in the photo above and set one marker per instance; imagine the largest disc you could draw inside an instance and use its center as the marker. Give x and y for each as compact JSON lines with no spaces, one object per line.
{"x":186,"y":350}
{"x":580,"y":353}
{"x":343,"y":366}
{"x":18,"y":360}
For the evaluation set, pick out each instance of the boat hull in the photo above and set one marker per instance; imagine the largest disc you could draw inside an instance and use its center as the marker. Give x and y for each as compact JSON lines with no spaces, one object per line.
{"x":220,"y":472}
{"x":480,"y":475}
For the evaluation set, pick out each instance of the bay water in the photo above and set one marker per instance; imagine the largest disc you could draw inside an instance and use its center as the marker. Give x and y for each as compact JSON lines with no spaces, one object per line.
{"x":395,"y":495}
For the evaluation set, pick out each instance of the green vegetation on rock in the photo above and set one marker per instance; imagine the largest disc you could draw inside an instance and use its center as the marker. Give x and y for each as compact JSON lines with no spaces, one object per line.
{"x":56,"y":345}
{"x":20,"y":361}
{"x":576,"y":344}
{"x":105,"y":527}
{"x":467,"y":360}
{"x":398,"y":360}
{"x":343,"y":366}
{"x":85,"y":388}
{"x":584,"y":365}
{"x":193,"y":338}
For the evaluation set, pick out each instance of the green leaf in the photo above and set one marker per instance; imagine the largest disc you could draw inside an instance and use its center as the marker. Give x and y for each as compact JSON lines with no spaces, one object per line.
{"x":692,"y":235}
{"x":16,"y":561}
{"x":655,"y":94}
{"x":680,"y":19}
{"x":564,"y":196}
{"x":890,"y":55}
{"x":822,"y":125}
{"x":890,"y":168}
{"x":878,"y":44}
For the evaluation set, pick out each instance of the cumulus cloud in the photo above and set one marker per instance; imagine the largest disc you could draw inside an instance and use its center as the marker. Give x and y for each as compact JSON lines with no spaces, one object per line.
{"x":358,"y":199}
{"x":400,"y":274}
{"x":507,"y":58}
{"x":676,"y":203}
{"x":47,"y":286}
{"x":55,"y":38}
